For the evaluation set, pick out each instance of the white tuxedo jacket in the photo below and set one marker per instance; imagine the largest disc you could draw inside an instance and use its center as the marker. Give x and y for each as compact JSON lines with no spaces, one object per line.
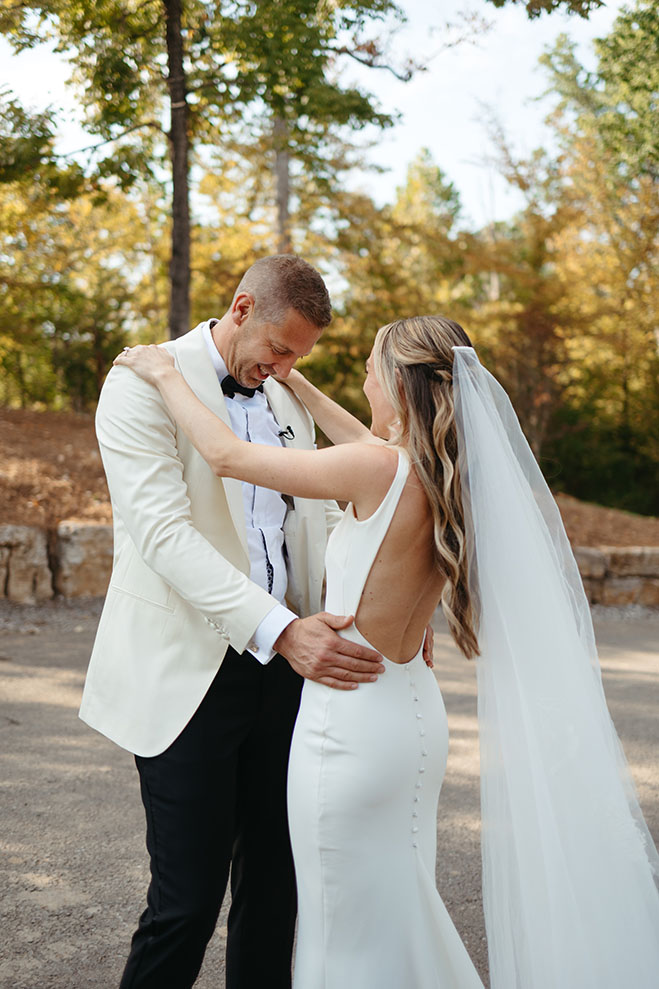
{"x":179,"y":594}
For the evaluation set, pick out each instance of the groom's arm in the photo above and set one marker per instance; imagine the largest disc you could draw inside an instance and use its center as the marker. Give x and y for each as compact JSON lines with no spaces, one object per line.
{"x":137,"y":439}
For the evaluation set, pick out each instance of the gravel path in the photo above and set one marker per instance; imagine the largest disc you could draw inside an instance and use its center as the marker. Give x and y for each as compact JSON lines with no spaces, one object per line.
{"x":74,"y":869}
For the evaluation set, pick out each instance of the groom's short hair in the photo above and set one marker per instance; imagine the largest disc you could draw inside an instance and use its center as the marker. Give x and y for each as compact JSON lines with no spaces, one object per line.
{"x":285,"y":281}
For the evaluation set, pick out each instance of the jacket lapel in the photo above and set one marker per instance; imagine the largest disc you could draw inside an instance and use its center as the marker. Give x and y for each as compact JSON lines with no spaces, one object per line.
{"x":197,"y":369}
{"x":285,"y":410}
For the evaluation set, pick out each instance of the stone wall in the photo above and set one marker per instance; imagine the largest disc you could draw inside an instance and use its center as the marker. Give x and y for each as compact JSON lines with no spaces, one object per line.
{"x":25,"y":573}
{"x":616,"y":575}
{"x":75,"y":559}
{"x":81,"y":559}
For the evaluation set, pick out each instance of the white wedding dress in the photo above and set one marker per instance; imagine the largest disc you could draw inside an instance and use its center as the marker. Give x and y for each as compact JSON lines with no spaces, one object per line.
{"x":365,"y":772}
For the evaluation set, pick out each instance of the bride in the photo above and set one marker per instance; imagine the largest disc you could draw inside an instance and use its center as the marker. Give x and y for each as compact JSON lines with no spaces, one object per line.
{"x":447,"y":504}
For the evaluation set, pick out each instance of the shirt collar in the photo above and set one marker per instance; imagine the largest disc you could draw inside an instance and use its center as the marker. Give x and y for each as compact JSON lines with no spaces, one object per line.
{"x":221,"y":369}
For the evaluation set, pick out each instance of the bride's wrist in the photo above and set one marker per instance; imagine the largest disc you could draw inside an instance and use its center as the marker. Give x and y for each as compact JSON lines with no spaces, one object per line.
{"x":295,"y":379}
{"x":168,"y":372}
{"x":162,"y":375}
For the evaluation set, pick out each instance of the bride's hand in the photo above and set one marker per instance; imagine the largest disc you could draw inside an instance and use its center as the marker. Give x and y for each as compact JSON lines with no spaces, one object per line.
{"x":148,"y":362}
{"x":429,"y":646}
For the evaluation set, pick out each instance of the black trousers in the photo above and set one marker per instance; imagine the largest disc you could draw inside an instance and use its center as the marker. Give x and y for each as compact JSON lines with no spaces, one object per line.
{"x":217,"y":798}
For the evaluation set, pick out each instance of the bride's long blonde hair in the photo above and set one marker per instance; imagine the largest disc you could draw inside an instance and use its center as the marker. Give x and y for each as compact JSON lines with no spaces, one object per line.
{"x":413,"y":362}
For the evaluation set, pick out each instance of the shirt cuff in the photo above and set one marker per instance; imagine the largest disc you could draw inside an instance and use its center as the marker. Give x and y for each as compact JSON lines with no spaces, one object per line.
{"x":261,"y":645}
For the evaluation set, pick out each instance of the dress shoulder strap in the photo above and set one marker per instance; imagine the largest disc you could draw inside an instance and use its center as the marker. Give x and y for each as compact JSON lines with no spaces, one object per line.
{"x":380,"y":520}
{"x":354,"y":544}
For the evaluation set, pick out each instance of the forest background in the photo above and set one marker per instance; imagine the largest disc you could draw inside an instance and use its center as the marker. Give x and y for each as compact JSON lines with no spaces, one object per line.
{"x":222,"y":132}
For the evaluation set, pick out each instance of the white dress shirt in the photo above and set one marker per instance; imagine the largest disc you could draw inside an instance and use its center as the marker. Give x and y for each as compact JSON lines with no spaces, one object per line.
{"x":265,"y":510}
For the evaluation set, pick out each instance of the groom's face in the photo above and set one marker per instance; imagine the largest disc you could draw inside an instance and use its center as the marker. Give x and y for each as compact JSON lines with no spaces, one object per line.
{"x":259,"y":349}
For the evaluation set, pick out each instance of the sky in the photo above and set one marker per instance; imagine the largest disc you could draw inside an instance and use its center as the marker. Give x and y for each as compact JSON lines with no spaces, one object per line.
{"x":442,"y":108}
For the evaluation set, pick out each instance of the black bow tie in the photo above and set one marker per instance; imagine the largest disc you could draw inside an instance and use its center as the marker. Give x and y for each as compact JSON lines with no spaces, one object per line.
{"x":230,"y":386}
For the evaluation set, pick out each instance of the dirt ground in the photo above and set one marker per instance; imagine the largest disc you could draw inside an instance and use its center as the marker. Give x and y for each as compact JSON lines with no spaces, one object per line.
{"x":50,"y":469}
{"x":73,"y":866}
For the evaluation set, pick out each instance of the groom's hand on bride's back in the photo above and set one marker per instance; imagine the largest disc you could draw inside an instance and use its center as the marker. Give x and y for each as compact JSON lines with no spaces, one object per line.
{"x":315,"y":651}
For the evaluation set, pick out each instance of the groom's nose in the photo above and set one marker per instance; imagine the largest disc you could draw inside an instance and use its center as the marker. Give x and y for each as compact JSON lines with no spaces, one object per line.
{"x":282,"y":366}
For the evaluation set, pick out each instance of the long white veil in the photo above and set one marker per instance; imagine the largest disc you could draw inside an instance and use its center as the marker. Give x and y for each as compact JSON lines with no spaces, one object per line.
{"x":569,"y":867}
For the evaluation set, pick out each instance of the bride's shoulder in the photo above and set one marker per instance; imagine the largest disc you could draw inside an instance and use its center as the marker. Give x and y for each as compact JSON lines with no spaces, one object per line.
{"x":376,"y":463}
{"x":376,"y":453}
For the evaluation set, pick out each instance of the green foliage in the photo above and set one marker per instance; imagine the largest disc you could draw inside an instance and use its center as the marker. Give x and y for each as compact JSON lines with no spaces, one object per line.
{"x":606,"y":431}
{"x":264,"y":69}
{"x":115,"y":52}
{"x":617,"y":106}
{"x":282,"y":53}
{"x":63,"y":295}
{"x":401,"y":259}
{"x":245,"y":63}
{"x":562,"y":301}
{"x":596,"y":461}
{"x":629,"y":71}
{"x":27,"y":152}
{"x":534,"y":8}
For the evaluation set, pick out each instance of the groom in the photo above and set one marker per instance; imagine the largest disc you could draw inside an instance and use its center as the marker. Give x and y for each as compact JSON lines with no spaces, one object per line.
{"x":198,"y":662}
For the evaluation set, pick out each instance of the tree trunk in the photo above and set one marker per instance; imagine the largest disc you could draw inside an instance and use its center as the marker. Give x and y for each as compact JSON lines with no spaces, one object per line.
{"x":20,"y":377}
{"x":282,"y":177}
{"x":179,"y":266}
{"x":493,"y":281}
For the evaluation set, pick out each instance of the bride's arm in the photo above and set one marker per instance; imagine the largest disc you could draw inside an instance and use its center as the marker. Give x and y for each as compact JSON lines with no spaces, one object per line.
{"x":344,"y":473}
{"x":336,"y":422}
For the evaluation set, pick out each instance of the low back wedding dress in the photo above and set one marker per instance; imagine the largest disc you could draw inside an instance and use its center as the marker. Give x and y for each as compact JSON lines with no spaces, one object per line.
{"x":570,"y":871}
{"x":365,"y":773}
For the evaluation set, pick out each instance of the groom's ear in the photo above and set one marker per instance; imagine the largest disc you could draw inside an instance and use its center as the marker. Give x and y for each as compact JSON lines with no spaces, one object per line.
{"x":242,"y":307}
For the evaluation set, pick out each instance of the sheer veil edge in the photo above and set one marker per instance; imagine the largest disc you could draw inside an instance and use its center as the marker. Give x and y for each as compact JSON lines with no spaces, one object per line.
{"x":570,"y":870}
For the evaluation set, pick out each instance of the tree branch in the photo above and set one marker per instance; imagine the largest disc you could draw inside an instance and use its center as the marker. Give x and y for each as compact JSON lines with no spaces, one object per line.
{"x":370,"y":61}
{"x":202,"y":86}
{"x":467,"y":29}
{"x":109,"y":140}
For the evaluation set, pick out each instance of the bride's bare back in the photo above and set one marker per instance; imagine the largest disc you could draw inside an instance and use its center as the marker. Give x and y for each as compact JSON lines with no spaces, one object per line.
{"x":403,"y":586}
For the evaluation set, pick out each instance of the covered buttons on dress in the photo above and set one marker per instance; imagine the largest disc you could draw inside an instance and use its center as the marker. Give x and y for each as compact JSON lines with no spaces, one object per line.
{"x":418,"y":785}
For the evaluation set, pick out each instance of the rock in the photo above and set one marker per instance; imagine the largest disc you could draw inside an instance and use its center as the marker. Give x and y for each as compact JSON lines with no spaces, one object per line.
{"x":593,"y":588}
{"x":621,"y":590}
{"x":649,"y":594}
{"x":591,"y":562}
{"x":632,"y":561}
{"x":83,"y":558}
{"x":4,"y":560}
{"x":25,"y":575}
